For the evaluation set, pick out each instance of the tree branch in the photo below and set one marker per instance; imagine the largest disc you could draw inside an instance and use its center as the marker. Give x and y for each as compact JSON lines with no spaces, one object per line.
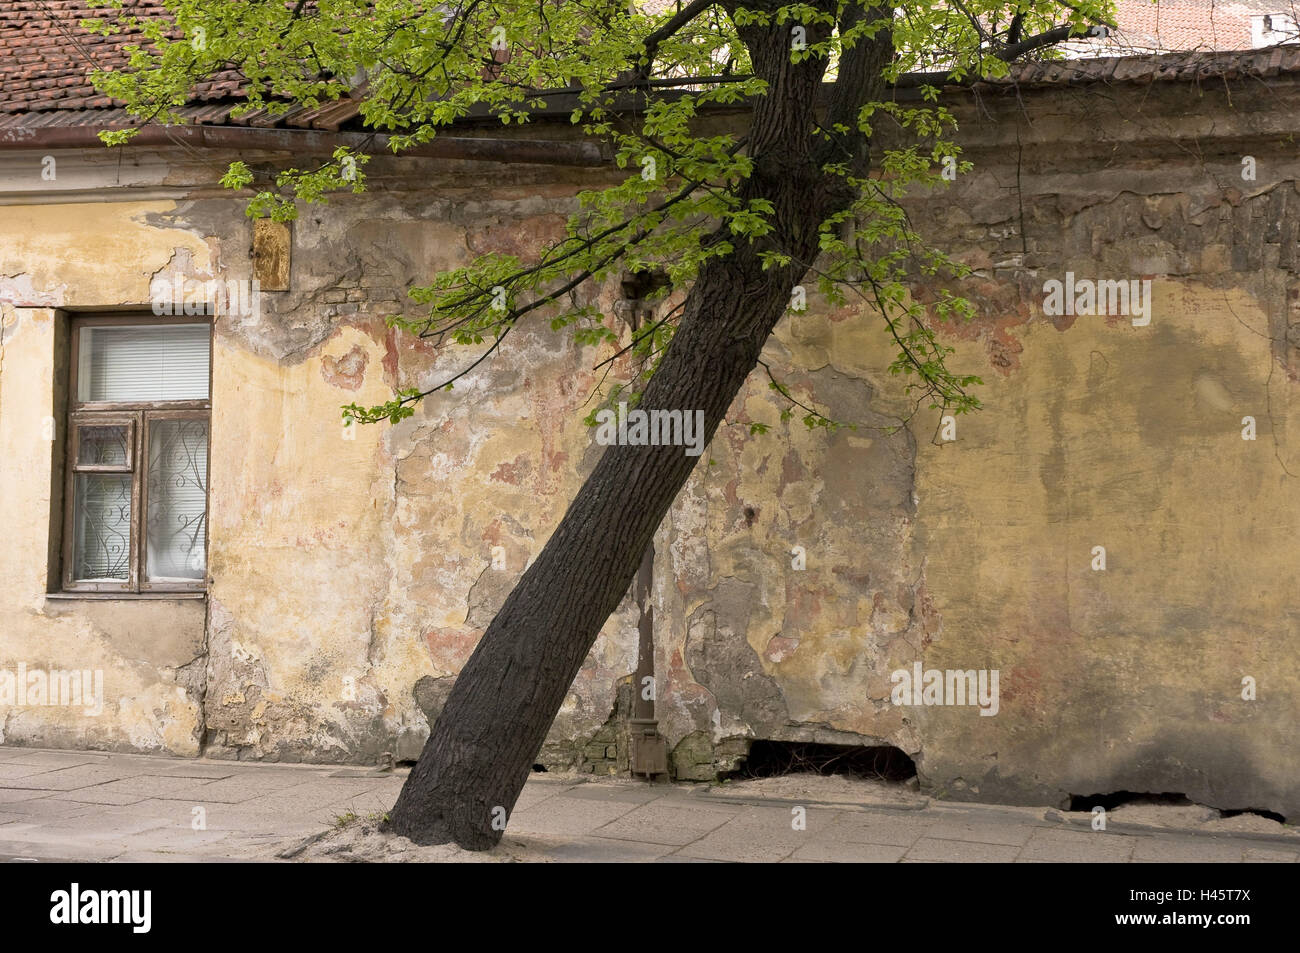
{"x":859,"y":80}
{"x":974,"y":21}
{"x":680,"y":19}
{"x":1017,"y":24}
{"x":1047,"y":38}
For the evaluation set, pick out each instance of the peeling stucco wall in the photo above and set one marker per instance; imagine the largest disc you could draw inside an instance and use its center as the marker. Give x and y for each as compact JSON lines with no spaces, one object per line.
{"x":977,"y":553}
{"x":144,"y":659}
{"x":347,"y":565}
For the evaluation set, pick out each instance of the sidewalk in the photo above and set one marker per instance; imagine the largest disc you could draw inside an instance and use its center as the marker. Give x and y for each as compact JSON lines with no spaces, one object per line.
{"x":93,"y":806}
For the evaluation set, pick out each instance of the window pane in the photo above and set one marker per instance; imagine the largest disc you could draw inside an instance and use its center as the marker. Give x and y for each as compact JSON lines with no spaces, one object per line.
{"x":102,"y":527}
{"x":144,"y":362}
{"x":102,"y":445}
{"x":177,"y":493}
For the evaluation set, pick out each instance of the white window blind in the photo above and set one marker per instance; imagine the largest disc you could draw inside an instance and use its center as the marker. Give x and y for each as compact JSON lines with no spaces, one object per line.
{"x":143,"y":362}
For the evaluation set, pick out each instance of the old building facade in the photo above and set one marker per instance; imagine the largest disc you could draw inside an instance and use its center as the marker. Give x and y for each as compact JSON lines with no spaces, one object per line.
{"x":1114,"y":535}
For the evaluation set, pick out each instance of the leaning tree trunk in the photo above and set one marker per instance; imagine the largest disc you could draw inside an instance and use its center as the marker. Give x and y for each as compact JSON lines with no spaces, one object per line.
{"x":497,"y":716}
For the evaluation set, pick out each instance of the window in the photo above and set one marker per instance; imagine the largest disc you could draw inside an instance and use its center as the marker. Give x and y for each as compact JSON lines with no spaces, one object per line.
{"x":136,"y":512}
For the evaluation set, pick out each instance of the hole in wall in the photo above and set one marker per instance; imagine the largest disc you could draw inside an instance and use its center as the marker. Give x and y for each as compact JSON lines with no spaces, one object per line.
{"x":1086,"y":802}
{"x":769,"y":759}
{"x":539,"y":769}
{"x":1259,"y":812}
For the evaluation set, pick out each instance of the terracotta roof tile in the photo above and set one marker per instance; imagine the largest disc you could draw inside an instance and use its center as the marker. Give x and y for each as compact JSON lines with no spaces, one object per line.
{"x":46,"y":56}
{"x":1169,"y":26}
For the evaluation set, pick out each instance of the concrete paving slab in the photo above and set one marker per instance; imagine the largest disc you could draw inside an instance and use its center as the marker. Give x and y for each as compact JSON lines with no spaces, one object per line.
{"x":531,"y":796}
{"x":1188,"y":850}
{"x":10,"y":770}
{"x":606,"y":791}
{"x":1265,"y":855}
{"x":46,"y":807}
{"x":89,"y":829}
{"x":601,"y":851}
{"x":54,"y":759}
{"x":307,"y":798}
{"x":173,"y":838}
{"x":563,"y":815}
{"x":167,"y":787}
{"x":56,"y":851}
{"x":244,"y":786}
{"x":69,"y":778}
{"x":961,"y":852}
{"x":99,"y":795}
{"x":196,"y":769}
{"x":846,"y":852}
{"x":1055,"y":846}
{"x":982,"y":830}
{"x":675,"y":824}
{"x":148,"y":807}
{"x":679,"y":859}
{"x":886,"y":828}
{"x":758,"y":835}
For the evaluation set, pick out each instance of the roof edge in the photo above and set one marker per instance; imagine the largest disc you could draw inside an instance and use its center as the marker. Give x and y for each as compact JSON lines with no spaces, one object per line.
{"x":311,"y":142}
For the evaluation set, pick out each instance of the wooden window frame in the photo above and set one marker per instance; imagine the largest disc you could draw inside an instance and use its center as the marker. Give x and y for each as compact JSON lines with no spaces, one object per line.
{"x":101,"y":419}
{"x":137,"y":416}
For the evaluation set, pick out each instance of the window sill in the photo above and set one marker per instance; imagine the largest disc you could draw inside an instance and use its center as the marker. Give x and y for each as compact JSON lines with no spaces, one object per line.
{"x":123,"y":596}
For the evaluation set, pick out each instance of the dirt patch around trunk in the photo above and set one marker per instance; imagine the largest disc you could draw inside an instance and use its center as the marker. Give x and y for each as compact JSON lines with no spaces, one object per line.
{"x":362,"y":841}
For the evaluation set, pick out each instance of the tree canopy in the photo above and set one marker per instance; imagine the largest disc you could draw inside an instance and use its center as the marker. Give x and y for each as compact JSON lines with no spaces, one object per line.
{"x":642,"y":75}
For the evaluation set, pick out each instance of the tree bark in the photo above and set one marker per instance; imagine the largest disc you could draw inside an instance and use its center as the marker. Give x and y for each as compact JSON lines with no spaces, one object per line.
{"x":483,"y":744}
